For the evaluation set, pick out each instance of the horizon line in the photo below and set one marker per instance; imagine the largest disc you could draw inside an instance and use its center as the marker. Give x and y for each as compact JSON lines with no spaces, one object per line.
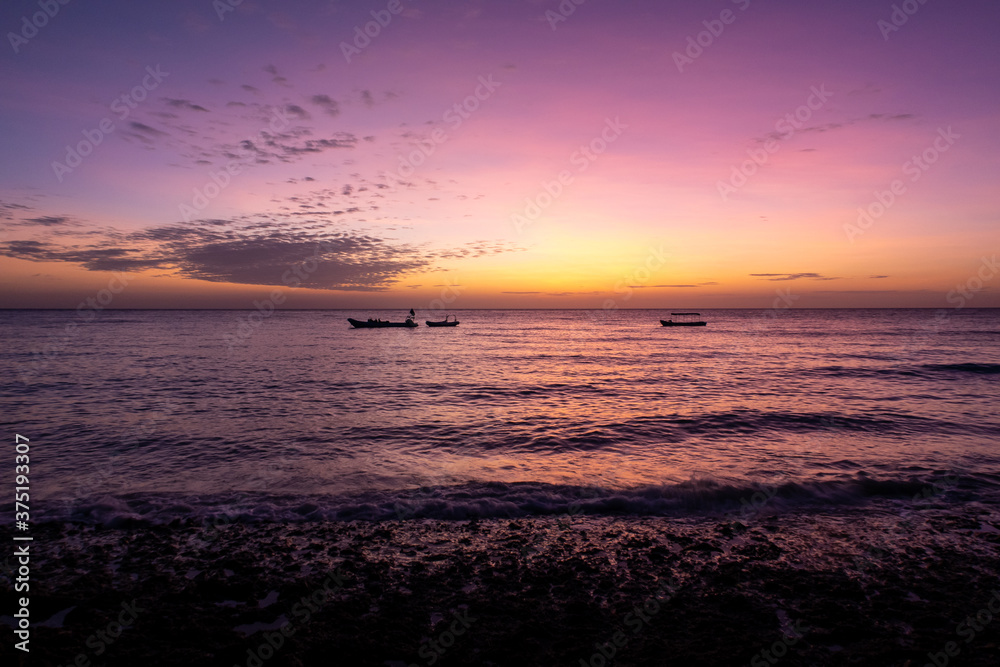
{"x":566,"y":309}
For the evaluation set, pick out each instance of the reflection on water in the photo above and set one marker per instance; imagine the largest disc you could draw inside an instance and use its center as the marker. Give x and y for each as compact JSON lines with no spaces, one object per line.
{"x":309,"y":405}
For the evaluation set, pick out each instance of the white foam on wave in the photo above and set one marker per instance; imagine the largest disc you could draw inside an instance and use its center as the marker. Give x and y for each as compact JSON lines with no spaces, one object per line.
{"x":699,"y":497}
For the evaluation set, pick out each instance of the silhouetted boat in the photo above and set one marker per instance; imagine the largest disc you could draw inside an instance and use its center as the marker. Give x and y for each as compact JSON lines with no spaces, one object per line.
{"x":379,"y":324}
{"x":444,"y":323}
{"x":684,"y":323}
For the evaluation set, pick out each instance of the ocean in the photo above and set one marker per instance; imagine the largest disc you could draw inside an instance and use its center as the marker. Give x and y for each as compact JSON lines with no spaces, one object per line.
{"x":154,"y":416}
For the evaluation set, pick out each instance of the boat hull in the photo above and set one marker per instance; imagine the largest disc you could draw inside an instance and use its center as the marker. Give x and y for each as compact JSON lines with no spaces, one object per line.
{"x":683,"y":324}
{"x":359,"y":324}
{"x":442,"y":324}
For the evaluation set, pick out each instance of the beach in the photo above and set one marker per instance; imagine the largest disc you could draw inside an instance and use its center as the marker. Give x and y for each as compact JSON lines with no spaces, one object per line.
{"x":500,"y":334}
{"x":813,"y":488}
{"x":862,"y":586}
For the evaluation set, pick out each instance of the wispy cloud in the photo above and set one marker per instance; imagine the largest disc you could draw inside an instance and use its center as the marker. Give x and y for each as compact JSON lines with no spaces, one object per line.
{"x":276,"y":77}
{"x":9,"y":209}
{"x":297,"y":112}
{"x":48,"y":221}
{"x":245,"y":131}
{"x":792,"y":276}
{"x":255,"y":250}
{"x":673,"y":286}
{"x":143,"y":132}
{"x":186,"y":105}
{"x":827,"y":127}
{"x":327,"y":104}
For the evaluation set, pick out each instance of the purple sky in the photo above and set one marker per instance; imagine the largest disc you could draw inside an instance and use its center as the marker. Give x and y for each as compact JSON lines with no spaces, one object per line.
{"x":499,"y":154}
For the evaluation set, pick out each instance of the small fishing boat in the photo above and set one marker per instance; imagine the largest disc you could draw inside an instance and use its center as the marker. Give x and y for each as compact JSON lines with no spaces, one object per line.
{"x":685,"y":322}
{"x":444,"y":323}
{"x":380,"y":324}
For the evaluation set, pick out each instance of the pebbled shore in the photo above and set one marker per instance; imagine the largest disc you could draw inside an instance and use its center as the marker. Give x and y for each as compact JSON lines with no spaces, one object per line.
{"x":851,"y":587}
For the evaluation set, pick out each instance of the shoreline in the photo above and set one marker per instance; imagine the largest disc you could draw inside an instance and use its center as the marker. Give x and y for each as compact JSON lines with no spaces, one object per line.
{"x":857,"y":586}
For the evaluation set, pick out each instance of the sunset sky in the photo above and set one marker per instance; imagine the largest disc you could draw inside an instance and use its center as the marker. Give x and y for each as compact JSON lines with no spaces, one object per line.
{"x":503,"y":154}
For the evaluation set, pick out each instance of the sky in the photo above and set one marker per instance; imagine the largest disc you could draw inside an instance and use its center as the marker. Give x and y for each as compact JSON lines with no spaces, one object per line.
{"x":523,"y":154}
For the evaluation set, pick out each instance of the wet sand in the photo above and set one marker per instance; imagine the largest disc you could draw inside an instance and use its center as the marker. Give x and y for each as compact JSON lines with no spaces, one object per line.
{"x":852,"y":587}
